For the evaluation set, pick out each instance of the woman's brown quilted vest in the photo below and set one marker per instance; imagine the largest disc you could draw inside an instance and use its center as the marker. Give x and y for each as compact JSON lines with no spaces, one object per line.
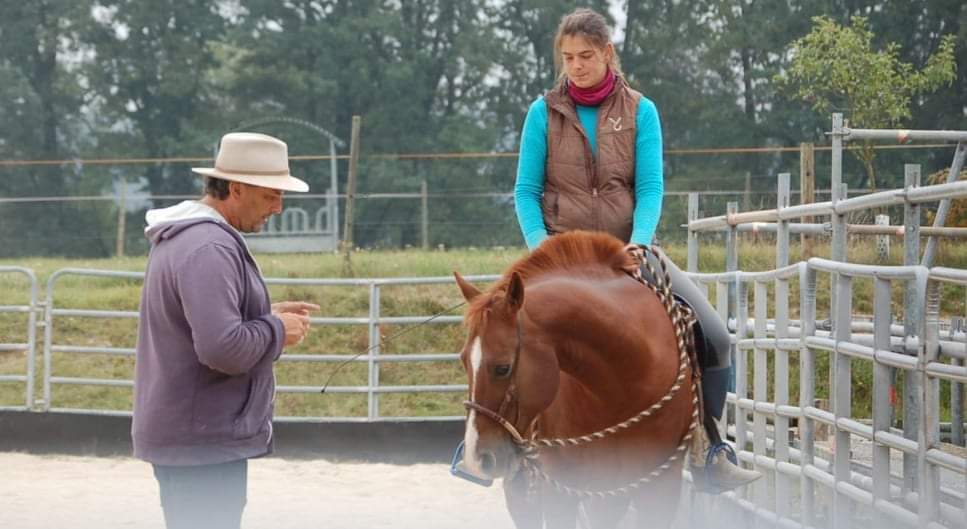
{"x":581,"y":191}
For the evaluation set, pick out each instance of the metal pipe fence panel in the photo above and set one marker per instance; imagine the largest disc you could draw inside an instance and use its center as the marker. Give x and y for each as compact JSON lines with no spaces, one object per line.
{"x":27,"y":347}
{"x":858,"y":477}
{"x":882,"y":199}
{"x":847,"y":466}
{"x":372,"y":356}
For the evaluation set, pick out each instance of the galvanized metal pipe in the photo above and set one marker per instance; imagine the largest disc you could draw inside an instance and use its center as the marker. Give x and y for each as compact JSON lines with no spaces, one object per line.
{"x":31,"y":309}
{"x":807,"y":391}
{"x":912,"y":401}
{"x":373,"y":357}
{"x":900,"y":135}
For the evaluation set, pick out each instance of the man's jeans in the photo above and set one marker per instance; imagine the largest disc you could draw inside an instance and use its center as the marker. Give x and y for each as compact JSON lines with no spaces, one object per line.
{"x":209,"y":496}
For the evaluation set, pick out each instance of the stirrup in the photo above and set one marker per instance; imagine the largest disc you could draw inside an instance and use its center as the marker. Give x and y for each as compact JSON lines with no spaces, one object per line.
{"x":713,"y":451}
{"x":457,"y":469}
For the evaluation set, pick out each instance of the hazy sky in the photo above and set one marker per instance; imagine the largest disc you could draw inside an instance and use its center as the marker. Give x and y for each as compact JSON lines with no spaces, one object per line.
{"x":617,"y":10}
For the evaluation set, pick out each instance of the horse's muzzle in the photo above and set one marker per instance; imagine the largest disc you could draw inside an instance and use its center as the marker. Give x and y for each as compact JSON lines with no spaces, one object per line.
{"x":486,"y":463}
{"x":460,"y":470}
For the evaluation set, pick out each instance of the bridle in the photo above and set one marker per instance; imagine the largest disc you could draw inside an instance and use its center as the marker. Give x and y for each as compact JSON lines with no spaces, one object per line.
{"x":510,"y":396}
{"x":682,"y":319}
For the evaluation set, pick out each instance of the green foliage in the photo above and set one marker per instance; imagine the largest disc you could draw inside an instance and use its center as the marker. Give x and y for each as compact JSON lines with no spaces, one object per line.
{"x":149,"y":74}
{"x":837,"y":68}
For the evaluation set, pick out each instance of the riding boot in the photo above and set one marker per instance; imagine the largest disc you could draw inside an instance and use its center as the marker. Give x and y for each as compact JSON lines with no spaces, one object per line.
{"x":715,"y":472}
{"x":721,"y":471}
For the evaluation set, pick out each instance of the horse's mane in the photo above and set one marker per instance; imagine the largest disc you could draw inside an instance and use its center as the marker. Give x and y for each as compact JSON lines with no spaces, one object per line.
{"x":580,"y":253}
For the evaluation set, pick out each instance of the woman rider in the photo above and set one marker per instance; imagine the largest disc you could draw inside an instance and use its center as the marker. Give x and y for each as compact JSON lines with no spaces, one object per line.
{"x":591,"y":159}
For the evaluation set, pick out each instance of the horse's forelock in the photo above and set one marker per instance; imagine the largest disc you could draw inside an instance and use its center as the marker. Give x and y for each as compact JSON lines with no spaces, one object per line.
{"x":476,"y":316}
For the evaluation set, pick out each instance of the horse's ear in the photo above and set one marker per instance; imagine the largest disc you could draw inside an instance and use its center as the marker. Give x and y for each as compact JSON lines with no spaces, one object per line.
{"x":515,"y":292}
{"x":469,"y":291}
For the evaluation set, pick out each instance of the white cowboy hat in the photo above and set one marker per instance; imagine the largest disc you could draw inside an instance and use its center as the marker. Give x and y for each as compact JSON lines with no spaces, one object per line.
{"x":255,"y":159}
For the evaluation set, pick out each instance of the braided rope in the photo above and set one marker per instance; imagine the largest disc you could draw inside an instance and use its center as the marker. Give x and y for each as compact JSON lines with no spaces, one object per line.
{"x":533,"y":467}
{"x":624,"y":425}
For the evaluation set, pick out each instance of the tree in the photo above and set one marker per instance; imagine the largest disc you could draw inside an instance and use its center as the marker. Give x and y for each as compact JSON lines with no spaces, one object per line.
{"x":835,"y":67}
{"x":417,"y":72}
{"x":41,"y":109}
{"x":149,"y":79}
{"x":39,"y":86}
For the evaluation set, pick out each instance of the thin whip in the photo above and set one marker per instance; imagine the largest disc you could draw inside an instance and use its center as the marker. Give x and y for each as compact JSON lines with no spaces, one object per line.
{"x":387,"y":339}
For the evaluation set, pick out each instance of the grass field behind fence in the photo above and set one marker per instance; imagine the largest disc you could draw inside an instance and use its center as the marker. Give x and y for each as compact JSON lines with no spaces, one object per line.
{"x":122,"y":294}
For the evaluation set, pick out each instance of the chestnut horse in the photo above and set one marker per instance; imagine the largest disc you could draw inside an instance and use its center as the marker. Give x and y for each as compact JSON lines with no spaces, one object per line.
{"x":556,"y":374}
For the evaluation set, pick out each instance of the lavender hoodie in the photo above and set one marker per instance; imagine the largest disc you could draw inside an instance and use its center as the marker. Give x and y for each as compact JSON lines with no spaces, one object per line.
{"x":204,"y":385}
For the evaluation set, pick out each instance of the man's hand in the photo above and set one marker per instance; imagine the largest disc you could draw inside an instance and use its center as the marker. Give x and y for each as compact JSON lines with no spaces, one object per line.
{"x":294,"y":307}
{"x":295,"y":319}
{"x":296,"y":327}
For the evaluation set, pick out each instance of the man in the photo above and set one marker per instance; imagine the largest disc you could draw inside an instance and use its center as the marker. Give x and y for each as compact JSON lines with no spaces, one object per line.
{"x":207,"y":338}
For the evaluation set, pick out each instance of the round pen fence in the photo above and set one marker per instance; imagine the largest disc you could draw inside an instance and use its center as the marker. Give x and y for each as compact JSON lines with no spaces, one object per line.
{"x":21,"y":316}
{"x":827,"y":464}
{"x":371,"y":356}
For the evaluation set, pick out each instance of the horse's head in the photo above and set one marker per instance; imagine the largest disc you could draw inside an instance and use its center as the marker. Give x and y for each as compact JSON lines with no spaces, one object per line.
{"x":512,"y":376}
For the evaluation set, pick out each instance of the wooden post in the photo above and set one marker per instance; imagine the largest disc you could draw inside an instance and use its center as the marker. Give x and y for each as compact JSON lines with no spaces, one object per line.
{"x":351,"y":195}
{"x":747,"y":196}
{"x":807,"y":191}
{"x":425,"y":216}
{"x":692,"y":235}
{"x":122,"y":218}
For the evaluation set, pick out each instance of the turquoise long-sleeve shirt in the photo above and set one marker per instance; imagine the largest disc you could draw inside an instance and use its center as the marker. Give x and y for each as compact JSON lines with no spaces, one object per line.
{"x":532,"y":164}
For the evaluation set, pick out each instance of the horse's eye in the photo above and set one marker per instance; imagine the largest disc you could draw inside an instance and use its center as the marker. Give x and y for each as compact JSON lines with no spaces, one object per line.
{"x":502,"y":370}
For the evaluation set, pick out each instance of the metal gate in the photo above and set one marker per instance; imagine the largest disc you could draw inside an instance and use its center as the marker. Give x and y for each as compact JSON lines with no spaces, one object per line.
{"x":29,"y":347}
{"x":824,"y":465}
{"x":372,"y":356}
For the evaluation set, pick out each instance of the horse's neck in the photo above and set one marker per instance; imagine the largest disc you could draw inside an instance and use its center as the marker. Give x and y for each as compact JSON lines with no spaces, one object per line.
{"x":604,"y":364}
{"x":592,"y":346}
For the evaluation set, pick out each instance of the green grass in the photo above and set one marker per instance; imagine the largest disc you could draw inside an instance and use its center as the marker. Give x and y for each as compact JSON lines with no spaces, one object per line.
{"x":123,"y":294}
{"x":408,"y":300}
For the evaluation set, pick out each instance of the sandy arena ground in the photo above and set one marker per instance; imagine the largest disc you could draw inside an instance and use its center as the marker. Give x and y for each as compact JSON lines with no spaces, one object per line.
{"x":54,"y":492}
{"x":82,"y":492}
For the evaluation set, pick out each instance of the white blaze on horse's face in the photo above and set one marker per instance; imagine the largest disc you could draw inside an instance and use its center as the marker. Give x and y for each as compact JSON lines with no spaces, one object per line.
{"x":476,"y":358}
{"x":471,"y":436}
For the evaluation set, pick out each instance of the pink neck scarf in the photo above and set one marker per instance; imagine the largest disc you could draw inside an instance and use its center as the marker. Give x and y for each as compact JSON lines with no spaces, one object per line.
{"x":590,"y":97}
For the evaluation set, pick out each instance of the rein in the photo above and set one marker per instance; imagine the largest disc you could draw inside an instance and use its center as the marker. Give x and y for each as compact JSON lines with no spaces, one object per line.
{"x":682,"y":319}
{"x":388,"y":339}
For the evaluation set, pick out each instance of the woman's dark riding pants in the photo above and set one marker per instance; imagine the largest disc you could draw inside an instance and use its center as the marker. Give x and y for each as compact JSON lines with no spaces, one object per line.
{"x":711,"y":337}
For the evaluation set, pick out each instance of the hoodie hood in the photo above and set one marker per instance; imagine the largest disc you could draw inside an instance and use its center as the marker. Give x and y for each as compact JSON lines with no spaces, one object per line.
{"x":166,"y":222}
